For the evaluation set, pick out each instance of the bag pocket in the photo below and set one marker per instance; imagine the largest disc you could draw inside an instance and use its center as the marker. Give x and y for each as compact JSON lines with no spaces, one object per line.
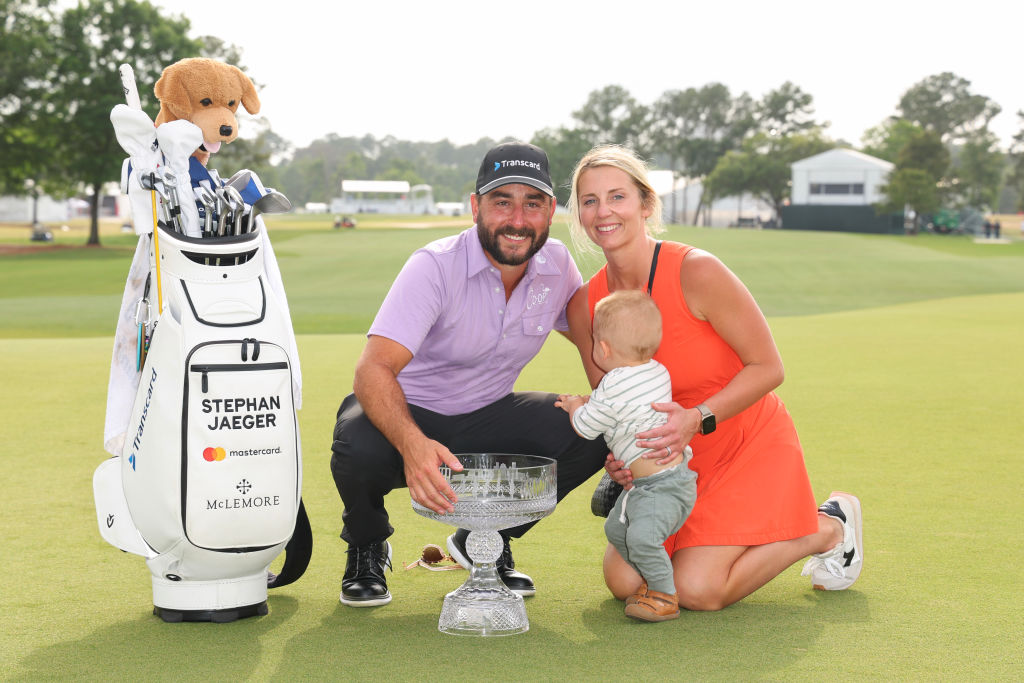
{"x":240,"y":460}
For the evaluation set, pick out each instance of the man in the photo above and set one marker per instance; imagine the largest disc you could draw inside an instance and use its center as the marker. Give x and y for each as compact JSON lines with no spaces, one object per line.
{"x":462,"y":319}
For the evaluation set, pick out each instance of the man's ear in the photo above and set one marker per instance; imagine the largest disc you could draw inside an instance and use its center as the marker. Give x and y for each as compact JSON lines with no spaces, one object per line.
{"x":474,"y":205}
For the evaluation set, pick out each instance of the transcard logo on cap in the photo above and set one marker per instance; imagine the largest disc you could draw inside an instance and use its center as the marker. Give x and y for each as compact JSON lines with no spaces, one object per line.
{"x":514,"y":163}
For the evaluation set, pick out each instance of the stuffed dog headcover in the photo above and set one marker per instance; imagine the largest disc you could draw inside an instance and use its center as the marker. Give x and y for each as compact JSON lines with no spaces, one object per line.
{"x":207,"y":93}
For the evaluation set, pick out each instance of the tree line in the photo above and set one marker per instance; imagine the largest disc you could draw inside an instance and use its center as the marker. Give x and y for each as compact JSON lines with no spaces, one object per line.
{"x":59,"y":81}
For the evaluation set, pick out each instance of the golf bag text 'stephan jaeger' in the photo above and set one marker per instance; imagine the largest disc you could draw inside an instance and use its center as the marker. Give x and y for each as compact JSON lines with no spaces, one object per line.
{"x":206,"y":478}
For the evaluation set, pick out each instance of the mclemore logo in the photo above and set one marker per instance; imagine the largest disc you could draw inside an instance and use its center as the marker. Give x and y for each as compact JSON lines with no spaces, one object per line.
{"x":247,"y":502}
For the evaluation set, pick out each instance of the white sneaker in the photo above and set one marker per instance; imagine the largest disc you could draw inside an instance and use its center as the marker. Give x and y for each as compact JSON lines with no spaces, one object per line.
{"x":838,"y":568}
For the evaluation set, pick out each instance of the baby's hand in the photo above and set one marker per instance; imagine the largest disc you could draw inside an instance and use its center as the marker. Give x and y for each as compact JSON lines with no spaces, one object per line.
{"x":570,"y":402}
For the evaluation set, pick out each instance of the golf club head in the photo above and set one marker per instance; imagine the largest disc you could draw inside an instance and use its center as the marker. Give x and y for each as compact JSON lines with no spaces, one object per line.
{"x":240,"y":179}
{"x":208,"y":199}
{"x":150,"y":180}
{"x":273,"y":202}
{"x":234,"y":199}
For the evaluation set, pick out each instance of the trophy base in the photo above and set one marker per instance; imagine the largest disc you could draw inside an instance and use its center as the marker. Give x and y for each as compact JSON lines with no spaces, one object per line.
{"x":483,"y":612}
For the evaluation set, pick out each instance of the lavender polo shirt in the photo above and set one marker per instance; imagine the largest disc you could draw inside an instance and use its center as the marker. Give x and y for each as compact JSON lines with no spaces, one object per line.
{"x":447,"y":306}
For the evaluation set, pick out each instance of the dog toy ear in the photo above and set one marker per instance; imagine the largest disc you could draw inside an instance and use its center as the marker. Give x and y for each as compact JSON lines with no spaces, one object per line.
{"x":174,"y":100}
{"x":249,"y":98}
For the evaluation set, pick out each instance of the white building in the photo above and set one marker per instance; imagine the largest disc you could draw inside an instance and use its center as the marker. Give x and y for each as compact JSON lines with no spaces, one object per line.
{"x":679,"y":207}
{"x":839,"y":177}
{"x":383,"y":196}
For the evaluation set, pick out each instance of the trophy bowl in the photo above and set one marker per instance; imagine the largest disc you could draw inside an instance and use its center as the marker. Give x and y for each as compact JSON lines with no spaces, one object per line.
{"x":495,"y":491}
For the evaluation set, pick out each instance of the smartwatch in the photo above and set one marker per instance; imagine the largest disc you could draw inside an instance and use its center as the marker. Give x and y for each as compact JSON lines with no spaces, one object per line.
{"x":707,"y":419}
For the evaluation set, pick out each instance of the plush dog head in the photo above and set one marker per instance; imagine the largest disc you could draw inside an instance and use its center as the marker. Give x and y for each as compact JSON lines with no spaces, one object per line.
{"x":207,"y":93}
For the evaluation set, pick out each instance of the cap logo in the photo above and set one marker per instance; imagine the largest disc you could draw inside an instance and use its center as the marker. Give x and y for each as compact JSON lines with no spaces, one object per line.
{"x":497,"y":165}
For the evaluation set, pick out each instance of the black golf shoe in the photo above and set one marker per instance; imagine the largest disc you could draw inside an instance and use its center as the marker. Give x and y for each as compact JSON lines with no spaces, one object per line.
{"x":517,"y":582}
{"x":364,"y":584}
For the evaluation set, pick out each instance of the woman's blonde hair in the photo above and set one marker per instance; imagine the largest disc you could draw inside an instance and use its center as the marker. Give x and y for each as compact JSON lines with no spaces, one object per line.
{"x":627,"y":161}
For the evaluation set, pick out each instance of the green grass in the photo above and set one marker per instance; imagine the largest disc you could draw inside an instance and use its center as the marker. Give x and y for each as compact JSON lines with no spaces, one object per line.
{"x":336,"y":279}
{"x":905,"y":390}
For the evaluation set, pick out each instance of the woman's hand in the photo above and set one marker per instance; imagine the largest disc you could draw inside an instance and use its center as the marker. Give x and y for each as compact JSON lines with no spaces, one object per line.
{"x":669,"y":440}
{"x":618,"y":471}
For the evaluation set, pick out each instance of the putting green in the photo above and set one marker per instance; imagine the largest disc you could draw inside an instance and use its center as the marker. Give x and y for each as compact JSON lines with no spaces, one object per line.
{"x":915,"y":407}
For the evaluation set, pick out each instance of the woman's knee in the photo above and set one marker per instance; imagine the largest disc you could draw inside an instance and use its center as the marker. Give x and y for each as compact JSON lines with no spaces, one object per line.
{"x":621,"y":579}
{"x":699,"y":600}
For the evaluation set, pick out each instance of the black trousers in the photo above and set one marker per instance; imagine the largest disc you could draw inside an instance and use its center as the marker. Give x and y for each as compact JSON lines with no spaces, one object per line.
{"x":366,"y":467}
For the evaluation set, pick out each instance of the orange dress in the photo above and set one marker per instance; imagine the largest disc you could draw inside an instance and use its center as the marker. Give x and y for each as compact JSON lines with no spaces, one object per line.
{"x":752,"y":484}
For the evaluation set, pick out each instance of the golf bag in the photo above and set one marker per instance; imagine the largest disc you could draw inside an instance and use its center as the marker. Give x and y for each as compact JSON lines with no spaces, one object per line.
{"x":207,"y":474}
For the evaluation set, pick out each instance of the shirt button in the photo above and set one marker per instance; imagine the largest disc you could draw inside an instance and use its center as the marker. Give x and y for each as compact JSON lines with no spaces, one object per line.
{"x":539,"y":328}
{"x":497,"y":289}
{"x":501,"y":312}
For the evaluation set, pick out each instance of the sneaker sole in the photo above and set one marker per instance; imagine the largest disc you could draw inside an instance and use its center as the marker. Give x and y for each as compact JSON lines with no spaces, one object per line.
{"x":858,"y":528}
{"x":453,"y":550}
{"x":369,"y":602}
{"x":641,"y":614}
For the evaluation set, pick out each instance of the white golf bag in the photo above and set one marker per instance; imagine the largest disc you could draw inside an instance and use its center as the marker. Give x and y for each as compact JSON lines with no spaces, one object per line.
{"x":207,"y":474}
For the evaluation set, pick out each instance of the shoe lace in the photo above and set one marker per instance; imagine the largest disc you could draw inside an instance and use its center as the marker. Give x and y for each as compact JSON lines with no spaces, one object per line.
{"x":370,"y":561}
{"x":829,"y":564}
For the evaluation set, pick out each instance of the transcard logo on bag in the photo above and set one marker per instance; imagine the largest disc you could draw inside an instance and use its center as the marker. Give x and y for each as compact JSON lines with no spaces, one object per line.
{"x":245,"y":413}
{"x":137,"y":441}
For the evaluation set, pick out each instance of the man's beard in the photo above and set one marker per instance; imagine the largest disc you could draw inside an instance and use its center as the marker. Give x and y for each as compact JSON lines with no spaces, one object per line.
{"x":490,"y":242}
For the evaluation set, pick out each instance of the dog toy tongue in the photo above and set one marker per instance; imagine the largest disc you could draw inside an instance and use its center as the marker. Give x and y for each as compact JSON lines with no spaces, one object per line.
{"x":212,"y":147}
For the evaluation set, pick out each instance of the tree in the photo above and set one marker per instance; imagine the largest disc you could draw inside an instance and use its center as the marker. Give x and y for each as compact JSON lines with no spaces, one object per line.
{"x":785,"y":111}
{"x":761,"y":167}
{"x":564,"y":147}
{"x":1016,"y":159}
{"x":944,"y":104}
{"x":916,"y":181}
{"x":612,"y":115}
{"x":979,"y":168}
{"x":93,"y":39}
{"x":26,"y":64}
{"x":924,"y":150}
{"x":885,"y":141}
{"x":912,"y":187}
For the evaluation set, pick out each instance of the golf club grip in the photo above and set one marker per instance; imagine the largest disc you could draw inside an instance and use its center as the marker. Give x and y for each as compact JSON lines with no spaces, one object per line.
{"x":131,"y":91}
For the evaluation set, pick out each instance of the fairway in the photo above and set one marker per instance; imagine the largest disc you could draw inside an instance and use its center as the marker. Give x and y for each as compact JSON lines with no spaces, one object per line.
{"x":904,"y":365}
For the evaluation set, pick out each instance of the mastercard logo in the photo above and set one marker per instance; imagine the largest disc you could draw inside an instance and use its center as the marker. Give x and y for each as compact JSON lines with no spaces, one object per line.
{"x":214,"y":454}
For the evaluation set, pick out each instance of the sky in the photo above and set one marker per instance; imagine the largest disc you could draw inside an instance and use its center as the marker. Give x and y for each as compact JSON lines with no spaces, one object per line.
{"x":463,"y":70}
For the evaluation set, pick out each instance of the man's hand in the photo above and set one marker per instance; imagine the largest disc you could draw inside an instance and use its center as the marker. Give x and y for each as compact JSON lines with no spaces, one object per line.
{"x":427,"y":485}
{"x":618,"y":471}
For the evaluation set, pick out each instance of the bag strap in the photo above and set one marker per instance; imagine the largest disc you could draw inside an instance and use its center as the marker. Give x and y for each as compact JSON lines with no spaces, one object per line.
{"x":654,"y":266}
{"x":297,"y":552}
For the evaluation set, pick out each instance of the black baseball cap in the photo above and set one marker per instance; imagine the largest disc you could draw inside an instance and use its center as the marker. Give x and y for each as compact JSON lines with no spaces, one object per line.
{"x":514,"y":162}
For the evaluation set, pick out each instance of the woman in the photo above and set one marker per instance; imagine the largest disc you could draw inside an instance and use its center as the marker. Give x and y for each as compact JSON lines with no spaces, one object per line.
{"x":755,"y":512}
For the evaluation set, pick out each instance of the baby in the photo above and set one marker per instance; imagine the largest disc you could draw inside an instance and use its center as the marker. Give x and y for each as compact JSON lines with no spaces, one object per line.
{"x":627,"y":332}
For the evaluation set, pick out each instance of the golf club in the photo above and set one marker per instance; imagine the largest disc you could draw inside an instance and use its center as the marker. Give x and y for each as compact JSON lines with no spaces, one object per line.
{"x":272,"y":202}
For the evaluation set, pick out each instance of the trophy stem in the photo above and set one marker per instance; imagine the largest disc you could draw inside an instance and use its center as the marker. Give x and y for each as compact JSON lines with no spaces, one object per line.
{"x":483,"y":605}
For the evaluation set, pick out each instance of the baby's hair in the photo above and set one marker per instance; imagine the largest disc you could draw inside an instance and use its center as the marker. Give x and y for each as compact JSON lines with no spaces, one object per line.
{"x":630,"y":322}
